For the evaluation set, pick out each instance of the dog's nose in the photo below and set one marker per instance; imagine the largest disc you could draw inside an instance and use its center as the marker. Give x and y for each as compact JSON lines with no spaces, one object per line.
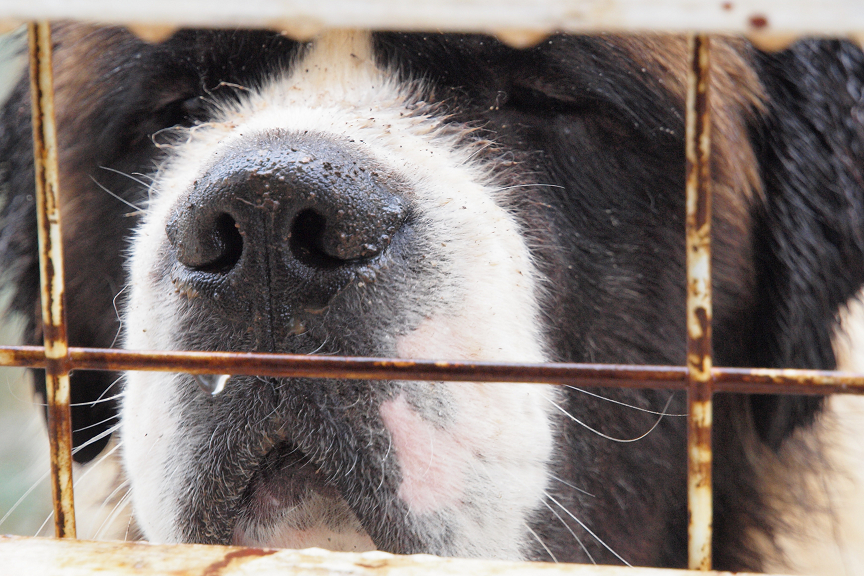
{"x":284,"y":220}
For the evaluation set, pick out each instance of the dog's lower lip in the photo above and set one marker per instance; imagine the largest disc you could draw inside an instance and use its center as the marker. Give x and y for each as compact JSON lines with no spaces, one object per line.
{"x":289,"y":503}
{"x":281,"y":481}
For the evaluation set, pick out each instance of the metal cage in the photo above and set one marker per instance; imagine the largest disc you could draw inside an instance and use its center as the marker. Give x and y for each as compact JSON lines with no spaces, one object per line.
{"x":768,"y":22}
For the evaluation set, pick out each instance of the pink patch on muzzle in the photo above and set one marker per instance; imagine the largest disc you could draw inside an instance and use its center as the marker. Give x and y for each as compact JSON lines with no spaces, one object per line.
{"x":431,"y":459}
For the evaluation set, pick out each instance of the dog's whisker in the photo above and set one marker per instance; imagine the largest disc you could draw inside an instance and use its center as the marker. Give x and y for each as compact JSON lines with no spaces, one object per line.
{"x":86,"y":472}
{"x":324,"y":343}
{"x":110,"y":386}
{"x":543,"y":544}
{"x":584,"y":527}
{"x":515,"y":186}
{"x":28,"y":402}
{"x":569,"y":485}
{"x":224,"y":84}
{"x":129,"y":176}
{"x":95,"y":424}
{"x":44,"y":476}
{"x":44,"y":524}
{"x":92,"y":403}
{"x":572,"y":533}
{"x":89,"y":403}
{"x":546,"y":495}
{"x":604,"y":398}
{"x":606,"y":436}
{"x":128,"y":526}
{"x":119,"y":507}
{"x":119,"y":318}
{"x":121,"y":487}
{"x":137,"y":209}
{"x":96,"y":464}
{"x":96,"y":438}
{"x":24,"y":497}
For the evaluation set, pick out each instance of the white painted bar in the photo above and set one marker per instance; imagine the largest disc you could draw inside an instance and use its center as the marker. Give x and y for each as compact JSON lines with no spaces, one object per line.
{"x":47,"y":557}
{"x":832,"y":17}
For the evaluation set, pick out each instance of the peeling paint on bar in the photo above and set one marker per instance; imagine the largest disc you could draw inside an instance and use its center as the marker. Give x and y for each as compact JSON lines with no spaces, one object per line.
{"x":699,"y":360}
{"x":68,"y":557}
{"x":52,"y":282}
{"x":764,"y":19}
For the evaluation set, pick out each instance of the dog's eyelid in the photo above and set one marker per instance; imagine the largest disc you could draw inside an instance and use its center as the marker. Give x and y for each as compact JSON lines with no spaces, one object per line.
{"x":181,"y":108}
{"x":546,"y":89}
{"x":533,"y":96}
{"x":194,"y":106}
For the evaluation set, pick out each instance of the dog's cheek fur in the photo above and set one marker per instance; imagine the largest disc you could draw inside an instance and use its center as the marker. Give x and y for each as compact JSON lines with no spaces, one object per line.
{"x":156,"y":435}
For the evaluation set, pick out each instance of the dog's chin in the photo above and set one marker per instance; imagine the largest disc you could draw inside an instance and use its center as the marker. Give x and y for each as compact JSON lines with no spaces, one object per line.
{"x":290,"y":504}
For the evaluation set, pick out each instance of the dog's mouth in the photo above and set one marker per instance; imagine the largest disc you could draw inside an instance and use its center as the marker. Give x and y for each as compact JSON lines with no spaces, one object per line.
{"x":289,"y":503}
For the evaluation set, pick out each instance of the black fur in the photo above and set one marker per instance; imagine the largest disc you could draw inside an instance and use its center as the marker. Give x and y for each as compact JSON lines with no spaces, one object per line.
{"x":810,"y":150}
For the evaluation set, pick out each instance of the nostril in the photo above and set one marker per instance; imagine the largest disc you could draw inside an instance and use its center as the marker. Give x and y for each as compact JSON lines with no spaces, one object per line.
{"x":307,"y":240}
{"x":230,"y":245}
{"x":216,"y":247}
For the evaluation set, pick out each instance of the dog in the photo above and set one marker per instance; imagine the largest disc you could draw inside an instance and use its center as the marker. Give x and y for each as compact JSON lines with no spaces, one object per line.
{"x":449,"y":196}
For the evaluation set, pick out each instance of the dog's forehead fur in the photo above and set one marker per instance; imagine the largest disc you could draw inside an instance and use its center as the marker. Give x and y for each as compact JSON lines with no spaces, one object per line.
{"x":538,"y":201}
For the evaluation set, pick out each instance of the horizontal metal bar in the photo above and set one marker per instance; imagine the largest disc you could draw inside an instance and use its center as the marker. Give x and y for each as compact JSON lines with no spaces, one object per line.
{"x":67,"y":558}
{"x":358,"y":368}
{"x":497,"y":16}
{"x":746,"y":380}
{"x":786,"y":381}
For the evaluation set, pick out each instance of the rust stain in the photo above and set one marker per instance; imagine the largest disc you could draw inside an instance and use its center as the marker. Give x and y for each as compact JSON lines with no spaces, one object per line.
{"x":235,"y":557}
{"x":699,"y":308}
{"x":373,"y":563}
{"x":758,"y":21}
{"x":51,"y":276}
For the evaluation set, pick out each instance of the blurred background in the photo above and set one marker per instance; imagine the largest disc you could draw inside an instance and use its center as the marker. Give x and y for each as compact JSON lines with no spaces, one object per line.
{"x":24,"y":445}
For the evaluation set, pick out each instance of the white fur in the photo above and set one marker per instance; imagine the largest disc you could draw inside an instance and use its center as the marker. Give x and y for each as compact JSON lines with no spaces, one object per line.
{"x":824,"y":515}
{"x":486,"y":308}
{"x":317,"y":521}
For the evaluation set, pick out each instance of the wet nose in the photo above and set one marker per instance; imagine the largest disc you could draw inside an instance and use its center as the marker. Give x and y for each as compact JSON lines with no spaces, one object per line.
{"x":282,"y":222}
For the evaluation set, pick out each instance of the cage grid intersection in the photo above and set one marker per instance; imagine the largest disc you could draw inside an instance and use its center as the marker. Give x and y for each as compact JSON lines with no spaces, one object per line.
{"x":699,"y":377}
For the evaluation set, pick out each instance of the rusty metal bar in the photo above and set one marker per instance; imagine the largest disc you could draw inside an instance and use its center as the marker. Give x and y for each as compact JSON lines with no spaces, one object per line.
{"x":51,"y":272}
{"x":738,"y":380}
{"x":786,"y":381}
{"x":699,"y":359}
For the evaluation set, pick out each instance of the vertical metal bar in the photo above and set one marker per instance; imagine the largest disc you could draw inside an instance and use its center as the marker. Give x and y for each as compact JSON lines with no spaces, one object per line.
{"x":52,"y":281}
{"x":699,"y":359}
